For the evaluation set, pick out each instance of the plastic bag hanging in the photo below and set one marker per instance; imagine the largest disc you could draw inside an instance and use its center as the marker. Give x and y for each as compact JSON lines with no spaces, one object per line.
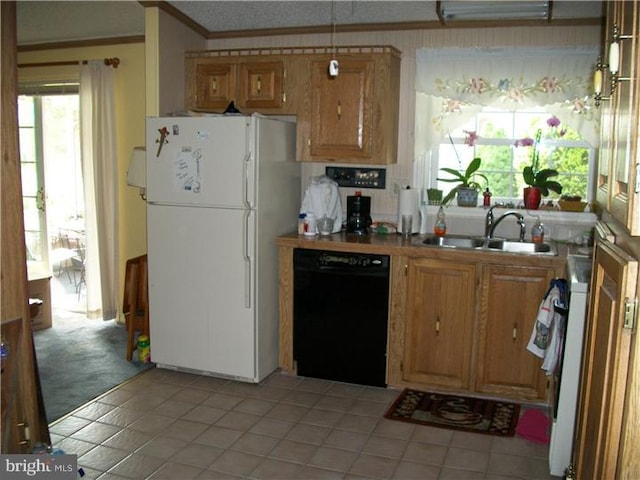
{"x":323,"y":199}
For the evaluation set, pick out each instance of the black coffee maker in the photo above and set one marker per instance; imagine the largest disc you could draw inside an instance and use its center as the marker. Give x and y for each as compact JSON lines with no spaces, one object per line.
{"x":358,"y":214}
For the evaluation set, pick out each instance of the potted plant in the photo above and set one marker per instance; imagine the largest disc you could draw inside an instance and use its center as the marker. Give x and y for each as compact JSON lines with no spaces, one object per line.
{"x":467,"y":189}
{"x":538,"y":180}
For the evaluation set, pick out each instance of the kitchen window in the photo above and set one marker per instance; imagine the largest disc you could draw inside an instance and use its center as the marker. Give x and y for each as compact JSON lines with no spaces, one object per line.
{"x":493,"y":134}
{"x":499,"y":96}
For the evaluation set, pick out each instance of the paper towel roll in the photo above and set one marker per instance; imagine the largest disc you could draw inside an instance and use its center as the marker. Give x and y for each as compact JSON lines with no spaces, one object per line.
{"x":408,"y":203}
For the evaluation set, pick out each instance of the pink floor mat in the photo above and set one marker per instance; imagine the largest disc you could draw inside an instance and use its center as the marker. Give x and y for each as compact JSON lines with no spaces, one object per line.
{"x":534,"y":426}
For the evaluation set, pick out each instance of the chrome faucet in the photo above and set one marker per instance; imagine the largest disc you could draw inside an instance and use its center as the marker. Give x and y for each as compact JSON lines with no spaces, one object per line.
{"x":490,"y":225}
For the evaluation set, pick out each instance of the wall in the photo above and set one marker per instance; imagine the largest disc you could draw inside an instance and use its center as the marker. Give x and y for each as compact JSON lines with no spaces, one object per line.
{"x":130,"y":114}
{"x":166,"y":41}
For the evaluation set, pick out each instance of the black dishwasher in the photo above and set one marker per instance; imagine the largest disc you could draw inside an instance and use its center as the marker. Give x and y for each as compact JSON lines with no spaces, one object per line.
{"x":340,"y":311}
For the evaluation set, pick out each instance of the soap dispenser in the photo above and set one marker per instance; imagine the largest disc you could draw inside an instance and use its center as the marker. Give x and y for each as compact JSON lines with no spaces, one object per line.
{"x":537,"y":231}
{"x":440,"y":227}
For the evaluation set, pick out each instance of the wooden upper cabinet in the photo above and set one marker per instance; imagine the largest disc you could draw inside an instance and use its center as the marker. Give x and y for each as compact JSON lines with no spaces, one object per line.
{"x":253,"y":83}
{"x":261,"y":85}
{"x":215,"y":86}
{"x":341,"y":109}
{"x":617,"y":181}
{"x":352,"y":117}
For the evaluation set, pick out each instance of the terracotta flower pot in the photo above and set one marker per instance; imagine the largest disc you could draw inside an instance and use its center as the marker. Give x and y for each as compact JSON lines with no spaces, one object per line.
{"x":532,"y":198}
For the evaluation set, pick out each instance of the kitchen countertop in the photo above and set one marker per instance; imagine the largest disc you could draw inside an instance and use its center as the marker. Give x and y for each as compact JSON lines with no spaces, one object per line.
{"x":394,"y":244}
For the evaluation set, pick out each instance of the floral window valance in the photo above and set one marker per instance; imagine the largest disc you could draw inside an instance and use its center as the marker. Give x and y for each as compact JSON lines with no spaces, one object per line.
{"x":453,"y":84}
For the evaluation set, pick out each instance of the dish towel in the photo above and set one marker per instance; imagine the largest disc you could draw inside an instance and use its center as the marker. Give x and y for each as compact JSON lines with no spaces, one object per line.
{"x":546,"y":338}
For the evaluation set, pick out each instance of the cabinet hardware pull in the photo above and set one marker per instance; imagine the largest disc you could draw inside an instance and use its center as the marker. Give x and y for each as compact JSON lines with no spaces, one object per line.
{"x":26,"y":433}
{"x":339,"y":110}
{"x":515,"y":332}
{"x":438,"y":326}
{"x":284,"y":97}
{"x":214,"y":85}
{"x":259,"y":85}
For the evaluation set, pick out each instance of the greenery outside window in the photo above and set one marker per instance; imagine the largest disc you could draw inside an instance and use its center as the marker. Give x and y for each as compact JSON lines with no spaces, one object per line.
{"x":494,"y":132}
{"x":48,"y":117}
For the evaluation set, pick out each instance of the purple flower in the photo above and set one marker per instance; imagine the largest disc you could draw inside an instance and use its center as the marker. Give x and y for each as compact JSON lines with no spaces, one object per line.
{"x":524,"y":142}
{"x":553,"y":121}
{"x":471,"y":138}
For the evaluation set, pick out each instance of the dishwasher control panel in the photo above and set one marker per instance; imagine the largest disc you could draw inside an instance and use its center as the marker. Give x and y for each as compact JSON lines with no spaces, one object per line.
{"x":324,"y":260}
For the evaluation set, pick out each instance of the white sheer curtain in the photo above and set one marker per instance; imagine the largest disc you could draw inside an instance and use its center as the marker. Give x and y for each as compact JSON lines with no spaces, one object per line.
{"x":99,"y":170}
{"x":453,"y":84}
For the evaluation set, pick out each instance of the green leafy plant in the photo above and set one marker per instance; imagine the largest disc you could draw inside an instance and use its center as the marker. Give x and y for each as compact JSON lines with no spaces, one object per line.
{"x":466,"y":179}
{"x":532,"y":174}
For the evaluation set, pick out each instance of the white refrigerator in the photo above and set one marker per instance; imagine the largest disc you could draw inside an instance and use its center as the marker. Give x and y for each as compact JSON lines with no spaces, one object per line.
{"x":220,"y":189}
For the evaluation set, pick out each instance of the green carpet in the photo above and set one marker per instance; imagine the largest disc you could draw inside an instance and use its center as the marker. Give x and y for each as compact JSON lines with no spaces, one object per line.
{"x":80,"y":359}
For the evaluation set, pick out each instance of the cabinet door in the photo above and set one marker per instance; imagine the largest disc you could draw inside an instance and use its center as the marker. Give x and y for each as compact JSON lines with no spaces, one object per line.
{"x":605,"y":364}
{"x":617,"y":188}
{"x":511,"y":297}
{"x":215,"y":85}
{"x":341,"y":109}
{"x":261,"y":85}
{"x":440,"y":320}
{"x":20,"y":411}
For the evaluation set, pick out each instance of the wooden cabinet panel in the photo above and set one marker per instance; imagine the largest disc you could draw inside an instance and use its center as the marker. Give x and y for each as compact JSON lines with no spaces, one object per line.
{"x":341,"y":107}
{"x":440,"y":323}
{"x":216,"y":86}
{"x":617,"y":189}
{"x":352,"y":117}
{"x":19,"y":386}
{"x":255,"y":83}
{"x":598,"y":450}
{"x":261,"y":85}
{"x":511,"y":297}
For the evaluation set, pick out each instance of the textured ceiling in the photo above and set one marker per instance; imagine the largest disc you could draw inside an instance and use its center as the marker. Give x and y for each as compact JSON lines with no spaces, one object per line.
{"x":61,"y":21}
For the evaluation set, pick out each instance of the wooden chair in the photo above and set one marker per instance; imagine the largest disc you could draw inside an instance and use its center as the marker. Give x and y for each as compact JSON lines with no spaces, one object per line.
{"x":135,"y":303}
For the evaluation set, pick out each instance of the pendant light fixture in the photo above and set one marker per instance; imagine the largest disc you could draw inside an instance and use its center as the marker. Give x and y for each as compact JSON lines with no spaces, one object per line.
{"x":334,"y":66}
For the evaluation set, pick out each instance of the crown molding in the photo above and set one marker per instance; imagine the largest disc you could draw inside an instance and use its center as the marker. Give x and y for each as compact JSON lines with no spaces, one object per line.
{"x":95,"y":42}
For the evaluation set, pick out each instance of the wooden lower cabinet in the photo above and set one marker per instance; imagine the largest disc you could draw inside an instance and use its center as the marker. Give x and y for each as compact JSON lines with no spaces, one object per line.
{"x":467,"y":325}
{"x":440,"y":320}
{"x":509,"y":304}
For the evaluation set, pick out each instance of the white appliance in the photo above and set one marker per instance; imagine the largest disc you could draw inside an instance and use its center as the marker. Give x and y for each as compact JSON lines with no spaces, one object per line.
{"x":220,"y":189}
{"x":566,"y":398}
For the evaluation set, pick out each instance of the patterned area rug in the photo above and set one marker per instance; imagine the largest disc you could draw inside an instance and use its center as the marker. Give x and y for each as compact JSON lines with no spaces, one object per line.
{"x":455,"y":412}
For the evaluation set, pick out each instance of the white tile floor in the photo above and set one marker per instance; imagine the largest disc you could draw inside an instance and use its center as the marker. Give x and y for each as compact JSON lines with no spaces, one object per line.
{"x":165,"y":424}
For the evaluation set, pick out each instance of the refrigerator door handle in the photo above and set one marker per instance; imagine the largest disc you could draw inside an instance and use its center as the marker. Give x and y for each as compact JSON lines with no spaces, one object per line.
{"x":247,"y":261}
{"x":248,"y":160}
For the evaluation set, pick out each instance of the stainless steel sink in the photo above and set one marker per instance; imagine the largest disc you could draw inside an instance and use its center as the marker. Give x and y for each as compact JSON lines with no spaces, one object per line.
{"x":454,"y":242}
{"x":491,"y":244}
{"x":521,"y":247}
